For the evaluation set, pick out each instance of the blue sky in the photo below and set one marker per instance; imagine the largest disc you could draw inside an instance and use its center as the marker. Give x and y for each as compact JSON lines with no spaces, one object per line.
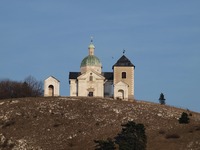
{"x":161,"y":38}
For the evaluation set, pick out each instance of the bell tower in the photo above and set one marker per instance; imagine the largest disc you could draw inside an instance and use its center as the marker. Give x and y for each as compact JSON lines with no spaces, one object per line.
{"x":123,"y":71}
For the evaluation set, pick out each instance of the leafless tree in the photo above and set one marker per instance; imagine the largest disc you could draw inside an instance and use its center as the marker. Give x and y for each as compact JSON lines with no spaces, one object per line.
{"x":30,"y":87}
{"x":35,"y":87}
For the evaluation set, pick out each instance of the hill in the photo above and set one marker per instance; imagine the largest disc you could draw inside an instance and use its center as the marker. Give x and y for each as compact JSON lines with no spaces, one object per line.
{"x":73,"y":123}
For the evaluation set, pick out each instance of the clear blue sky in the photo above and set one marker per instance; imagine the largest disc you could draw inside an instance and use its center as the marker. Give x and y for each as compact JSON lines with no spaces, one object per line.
{"x":161,"y":37}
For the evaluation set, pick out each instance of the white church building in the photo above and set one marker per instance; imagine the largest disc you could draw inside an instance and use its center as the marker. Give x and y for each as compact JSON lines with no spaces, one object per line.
{"x":91,"y":81}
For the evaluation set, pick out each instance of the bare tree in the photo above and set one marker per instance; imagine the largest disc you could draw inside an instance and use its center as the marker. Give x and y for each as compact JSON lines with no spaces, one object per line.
{"x":33,"y":86}
{"x":10,"y":89}
{"x":13,"y":89}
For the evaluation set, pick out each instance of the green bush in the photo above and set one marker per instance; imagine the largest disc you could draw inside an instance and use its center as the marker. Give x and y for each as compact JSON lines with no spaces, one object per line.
{"x":184,"y":119}
{"x":132,"y":137}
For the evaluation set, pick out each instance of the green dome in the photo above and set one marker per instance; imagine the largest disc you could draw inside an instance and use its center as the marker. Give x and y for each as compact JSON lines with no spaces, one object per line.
{"x":90,"y":60}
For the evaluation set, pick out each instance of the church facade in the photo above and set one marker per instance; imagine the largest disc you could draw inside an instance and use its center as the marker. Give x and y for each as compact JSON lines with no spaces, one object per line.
{"x":91,"y":81}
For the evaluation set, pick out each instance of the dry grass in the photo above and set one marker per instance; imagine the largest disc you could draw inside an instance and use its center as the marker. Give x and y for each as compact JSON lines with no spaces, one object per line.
{"x":74,"y":123}
{"x":172,"y":136}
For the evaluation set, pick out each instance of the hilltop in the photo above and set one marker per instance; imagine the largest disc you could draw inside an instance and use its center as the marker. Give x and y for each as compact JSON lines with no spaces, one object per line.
{"x":64,"y":123}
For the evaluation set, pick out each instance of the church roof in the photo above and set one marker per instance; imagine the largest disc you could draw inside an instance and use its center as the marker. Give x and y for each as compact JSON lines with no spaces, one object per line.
{"x":90,"y":60}
{"x":123,"y":61}
{"x":53,"y":78}
{"x":107,"y":75}
{"x":74,"y":75}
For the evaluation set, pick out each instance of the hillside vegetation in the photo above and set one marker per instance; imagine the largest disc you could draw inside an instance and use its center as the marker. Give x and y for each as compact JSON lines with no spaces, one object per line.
{"x":73,"y":123}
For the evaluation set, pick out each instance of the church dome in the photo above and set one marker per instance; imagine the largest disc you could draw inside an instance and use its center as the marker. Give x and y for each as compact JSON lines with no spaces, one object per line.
{"x":91,"y":60}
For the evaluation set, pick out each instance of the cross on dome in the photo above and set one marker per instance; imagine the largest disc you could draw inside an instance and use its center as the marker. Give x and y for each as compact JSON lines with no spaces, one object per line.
{"x":124,"y":51}
{"x":91,"y":47}
{"x":91,"y":39}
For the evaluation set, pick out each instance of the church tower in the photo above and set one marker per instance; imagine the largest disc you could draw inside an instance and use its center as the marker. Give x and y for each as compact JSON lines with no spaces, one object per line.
{"x":123,"y":71}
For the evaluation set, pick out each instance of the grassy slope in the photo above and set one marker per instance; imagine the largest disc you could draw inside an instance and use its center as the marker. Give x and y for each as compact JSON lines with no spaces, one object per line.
{"x":73,"y":123}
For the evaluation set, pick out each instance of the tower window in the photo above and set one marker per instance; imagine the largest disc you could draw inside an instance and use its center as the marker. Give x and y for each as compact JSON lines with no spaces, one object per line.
{"x":123,"y":75}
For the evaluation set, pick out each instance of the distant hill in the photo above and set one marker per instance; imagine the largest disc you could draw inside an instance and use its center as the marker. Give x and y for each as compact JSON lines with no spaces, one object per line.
{"x":73,"y":123}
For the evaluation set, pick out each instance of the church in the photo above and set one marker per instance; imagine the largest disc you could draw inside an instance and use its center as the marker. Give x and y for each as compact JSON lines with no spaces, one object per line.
{"x":91,"y":81}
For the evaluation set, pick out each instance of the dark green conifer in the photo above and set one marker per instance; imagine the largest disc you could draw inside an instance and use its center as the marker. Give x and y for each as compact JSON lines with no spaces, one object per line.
{"x":132,"y":137}
{"x":184,"y":118}
{"x":162,"y":99}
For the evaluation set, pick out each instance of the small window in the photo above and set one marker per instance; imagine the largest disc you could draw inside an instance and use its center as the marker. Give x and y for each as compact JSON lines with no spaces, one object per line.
{"x":123,"y":75}
{"x":91,"y":78}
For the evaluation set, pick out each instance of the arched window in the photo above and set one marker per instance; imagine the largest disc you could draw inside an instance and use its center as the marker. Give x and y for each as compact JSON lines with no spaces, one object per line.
{"x":123,"y":75}
{"x":91,"y":78}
